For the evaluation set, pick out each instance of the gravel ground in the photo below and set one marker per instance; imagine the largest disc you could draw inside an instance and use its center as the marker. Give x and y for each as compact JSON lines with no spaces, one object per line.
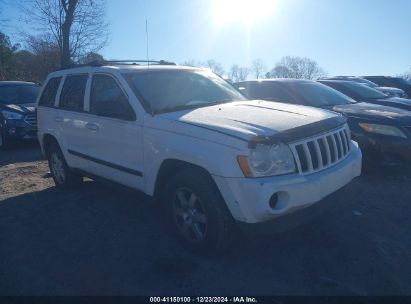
{"x":101,"y":240}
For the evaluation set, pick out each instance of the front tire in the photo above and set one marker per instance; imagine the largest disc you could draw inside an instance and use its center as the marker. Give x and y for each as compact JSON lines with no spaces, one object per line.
{"x":64,"y":177}
{"x":197,"y":212}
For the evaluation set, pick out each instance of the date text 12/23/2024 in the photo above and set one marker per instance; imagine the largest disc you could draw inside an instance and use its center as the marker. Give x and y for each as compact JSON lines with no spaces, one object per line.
{"x":203,"y":300}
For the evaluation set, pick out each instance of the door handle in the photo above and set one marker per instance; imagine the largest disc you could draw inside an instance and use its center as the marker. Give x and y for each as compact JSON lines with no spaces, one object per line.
{"x":92,"y":126}
{"x":58,"y":119}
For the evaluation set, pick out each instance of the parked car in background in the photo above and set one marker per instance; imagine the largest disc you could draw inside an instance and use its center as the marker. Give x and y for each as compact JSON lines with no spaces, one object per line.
{"x":383,"y":133}
{"x":396,"y":82}
{"x":189,"y":139}
{"x":389,"y":91}
{"x":17,"y":108}
{"x":362,"y":93}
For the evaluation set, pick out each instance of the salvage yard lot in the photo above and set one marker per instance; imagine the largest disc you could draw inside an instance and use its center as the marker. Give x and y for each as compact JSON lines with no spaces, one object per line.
{"x":106,"y":241}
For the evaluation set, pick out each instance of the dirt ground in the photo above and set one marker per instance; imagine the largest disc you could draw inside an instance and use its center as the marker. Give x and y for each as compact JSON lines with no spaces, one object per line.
{"x":100,"y":240}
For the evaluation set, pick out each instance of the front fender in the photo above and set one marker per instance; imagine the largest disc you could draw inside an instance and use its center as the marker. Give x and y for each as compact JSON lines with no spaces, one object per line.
{"x":161,"y":145}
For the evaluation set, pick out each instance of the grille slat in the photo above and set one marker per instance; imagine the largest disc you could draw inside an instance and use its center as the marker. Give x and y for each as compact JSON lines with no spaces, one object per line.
{"x":319,"y":156}
{"x":335,"y":147}
{"x":315,"y":154}
{"x":308,"y":157}
{"x":31,"y":119}
{"x":327,"y":150}
{"x":344,"y":139}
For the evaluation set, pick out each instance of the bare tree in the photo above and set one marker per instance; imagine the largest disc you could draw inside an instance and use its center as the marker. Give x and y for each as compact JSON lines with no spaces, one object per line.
{"x":297,"y":67}
{"x":77,"y":27}
{"x":259,"y":68}
{"x":233,"y":74}
{"x":406,"y":75}
{"x":238,"y":73}
{"x":46,"y":57}
{"x":214,"y":66}
{"x":243,"y":73}
{"x":192,"y":63}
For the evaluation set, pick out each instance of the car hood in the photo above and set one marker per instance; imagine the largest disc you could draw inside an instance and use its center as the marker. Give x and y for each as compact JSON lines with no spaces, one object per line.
{"x":248,"y":119}
{"x":375,"y":112}
{"x":21,"y":108}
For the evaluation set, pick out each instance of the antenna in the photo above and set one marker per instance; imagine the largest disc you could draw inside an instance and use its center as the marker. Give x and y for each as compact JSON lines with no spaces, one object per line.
{"x":148,"y":60}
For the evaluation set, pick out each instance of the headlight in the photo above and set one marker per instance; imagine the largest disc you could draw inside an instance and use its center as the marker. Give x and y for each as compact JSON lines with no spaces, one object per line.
{"x":11,"y":115}
{"x":383,"y":129}
{"x":266,"y":160}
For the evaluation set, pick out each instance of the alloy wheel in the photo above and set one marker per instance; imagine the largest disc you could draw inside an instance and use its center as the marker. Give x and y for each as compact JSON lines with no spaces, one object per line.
{"x":189,"y":215}
{"x":57,"y":167}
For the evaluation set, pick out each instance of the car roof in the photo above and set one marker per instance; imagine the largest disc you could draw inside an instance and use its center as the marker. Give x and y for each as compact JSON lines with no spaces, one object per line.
{"x":282,"y":80}
{"x":337,"y":81}
{"x":121,"y":68}
{"x":8,"y":83}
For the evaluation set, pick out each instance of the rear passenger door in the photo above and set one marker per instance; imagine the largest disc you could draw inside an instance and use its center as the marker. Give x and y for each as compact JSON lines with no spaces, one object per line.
{"x":113,"y":133}
{"x":71,"y":120}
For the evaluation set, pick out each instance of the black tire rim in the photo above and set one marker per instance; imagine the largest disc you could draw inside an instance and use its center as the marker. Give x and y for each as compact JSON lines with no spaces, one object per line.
{"x":189,"y":215}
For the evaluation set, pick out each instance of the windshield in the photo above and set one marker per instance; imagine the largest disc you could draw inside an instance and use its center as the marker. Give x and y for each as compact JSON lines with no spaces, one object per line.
{"x":363,"y":91}
{"x":167,"y":91}
{"x":318,"y":95}
{"x":18,"y":94}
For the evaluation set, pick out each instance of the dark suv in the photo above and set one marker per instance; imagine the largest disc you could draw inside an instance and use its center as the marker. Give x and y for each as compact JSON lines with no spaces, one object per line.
{"x":17,"y":111}
{"x":387,"y":81}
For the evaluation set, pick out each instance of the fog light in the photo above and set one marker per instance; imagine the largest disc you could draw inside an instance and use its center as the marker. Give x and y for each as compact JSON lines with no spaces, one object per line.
{"x":274,"y":200}
{"x":12,"y":131}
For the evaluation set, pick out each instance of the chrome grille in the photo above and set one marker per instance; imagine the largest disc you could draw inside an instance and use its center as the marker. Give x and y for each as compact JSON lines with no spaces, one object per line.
{"x":323,"y":151}
{"x":31,"y":119}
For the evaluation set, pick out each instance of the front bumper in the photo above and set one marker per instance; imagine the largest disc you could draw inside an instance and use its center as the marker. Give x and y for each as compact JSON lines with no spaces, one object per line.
{"x":249,"y":199}
{"x":385,"y":150}
{"x":19,"y":130}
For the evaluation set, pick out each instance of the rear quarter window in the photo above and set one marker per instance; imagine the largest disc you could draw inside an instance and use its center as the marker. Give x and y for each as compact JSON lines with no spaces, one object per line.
{"x":50,"y":91}
{"x":72,"y":94}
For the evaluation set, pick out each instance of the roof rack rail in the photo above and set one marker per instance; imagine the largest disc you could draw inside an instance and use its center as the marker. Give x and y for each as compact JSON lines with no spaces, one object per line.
{"x":136,"y":62}
{"x":97,"y":63}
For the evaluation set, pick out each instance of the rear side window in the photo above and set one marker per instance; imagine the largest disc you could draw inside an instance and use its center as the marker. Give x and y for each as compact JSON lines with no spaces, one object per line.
{"x":107,"y":99}
{"x":50,"y":91}
{"x":72,"y":94}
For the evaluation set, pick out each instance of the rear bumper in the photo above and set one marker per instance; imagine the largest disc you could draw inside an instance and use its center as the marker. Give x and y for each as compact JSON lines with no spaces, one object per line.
{"x":249,"y":199}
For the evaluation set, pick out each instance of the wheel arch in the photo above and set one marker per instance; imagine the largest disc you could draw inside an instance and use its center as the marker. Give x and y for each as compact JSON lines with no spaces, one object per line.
{"x":169,"y":167}
{"x":46,"y":141}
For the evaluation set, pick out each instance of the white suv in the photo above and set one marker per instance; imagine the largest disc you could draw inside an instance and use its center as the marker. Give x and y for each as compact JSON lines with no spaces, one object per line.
{"x":189,"y":139}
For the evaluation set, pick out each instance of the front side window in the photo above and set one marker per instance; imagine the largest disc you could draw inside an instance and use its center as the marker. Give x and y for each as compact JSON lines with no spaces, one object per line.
{"x":18,"y":94}
{"x":72,"y":94}
{"x":173,"y":90}
{"x":107,"y":99}
{"x":50,"y":91}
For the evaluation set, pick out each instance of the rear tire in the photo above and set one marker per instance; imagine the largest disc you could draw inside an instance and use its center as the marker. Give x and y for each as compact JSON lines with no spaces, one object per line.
{"x":64,"y":177}
{"x":197,"y":212}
